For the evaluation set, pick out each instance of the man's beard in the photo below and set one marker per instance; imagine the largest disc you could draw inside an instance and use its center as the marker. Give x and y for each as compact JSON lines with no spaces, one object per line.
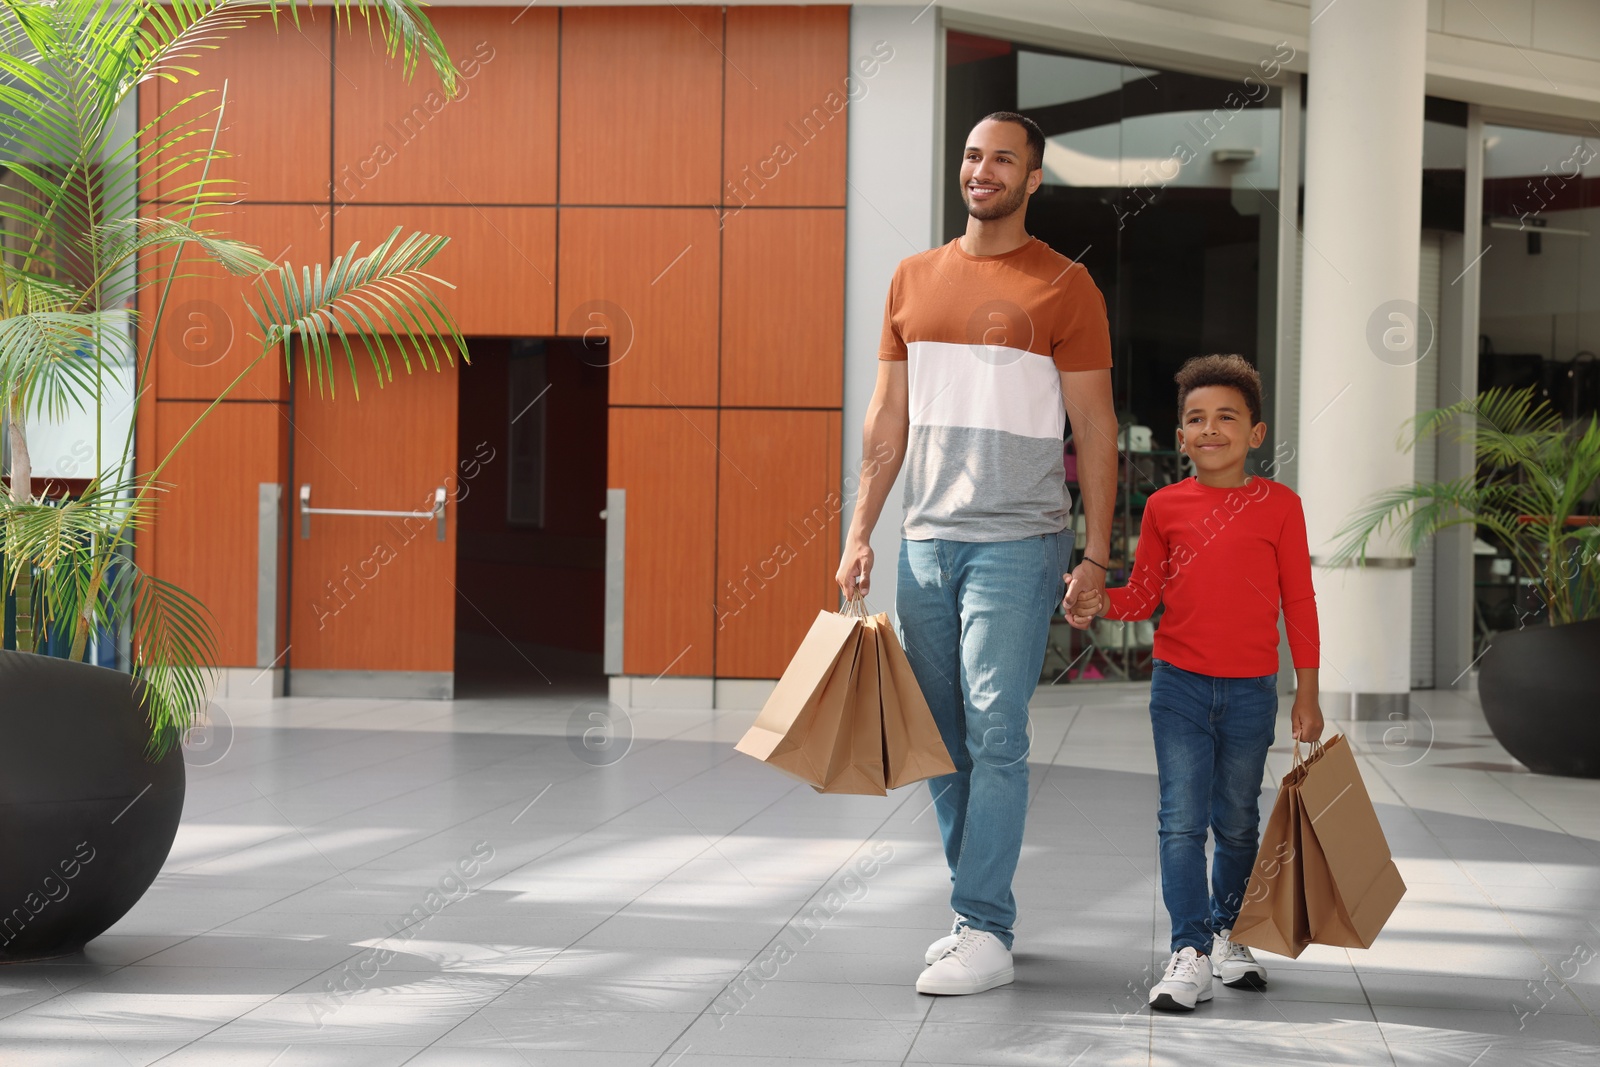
{"x":1007,"y":203}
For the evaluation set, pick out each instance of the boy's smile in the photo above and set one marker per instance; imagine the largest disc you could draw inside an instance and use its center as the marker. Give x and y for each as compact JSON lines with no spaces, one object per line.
{"x":1215,"y":431}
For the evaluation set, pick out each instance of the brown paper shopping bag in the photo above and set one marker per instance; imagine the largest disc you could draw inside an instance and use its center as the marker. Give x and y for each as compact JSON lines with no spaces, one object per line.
{"x":1352,"y":884}
{"x":797,"y":726}
{"x":857,"y":762}
{"x":1274,"y":917}
{"x":1335,"y":882}
{"x":912,"y":747}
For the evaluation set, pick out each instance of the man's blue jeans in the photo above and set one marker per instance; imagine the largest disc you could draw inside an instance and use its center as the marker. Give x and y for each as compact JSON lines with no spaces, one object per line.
{"x":973,"y":617}
{"x":1212,"y":736}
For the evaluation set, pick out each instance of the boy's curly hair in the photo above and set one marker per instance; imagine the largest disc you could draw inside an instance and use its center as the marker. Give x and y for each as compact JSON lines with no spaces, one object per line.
{"x":1230,"y":370}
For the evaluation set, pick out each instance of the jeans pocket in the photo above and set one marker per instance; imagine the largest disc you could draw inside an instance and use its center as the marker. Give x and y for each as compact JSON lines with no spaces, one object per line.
{"x":1267,"y":683}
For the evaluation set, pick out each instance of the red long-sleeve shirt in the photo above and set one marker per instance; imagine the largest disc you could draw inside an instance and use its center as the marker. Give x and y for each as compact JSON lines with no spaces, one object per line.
{"x":1223,"y":561}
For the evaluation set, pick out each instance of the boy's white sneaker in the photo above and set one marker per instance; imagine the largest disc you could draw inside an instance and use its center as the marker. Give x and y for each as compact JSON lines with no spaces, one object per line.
{"x":1235,"y":965}
{"x":944,"y":944}
{"x":1186,"y":982}
{"x":978,"y":961}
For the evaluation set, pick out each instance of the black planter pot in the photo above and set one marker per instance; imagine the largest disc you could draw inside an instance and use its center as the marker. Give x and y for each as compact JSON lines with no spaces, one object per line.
{"x":1540,"y":689}
{"x":86,"y":820}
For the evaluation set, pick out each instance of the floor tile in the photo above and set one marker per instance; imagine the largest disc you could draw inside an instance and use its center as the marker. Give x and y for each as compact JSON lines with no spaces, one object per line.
{"x":675,"y":909}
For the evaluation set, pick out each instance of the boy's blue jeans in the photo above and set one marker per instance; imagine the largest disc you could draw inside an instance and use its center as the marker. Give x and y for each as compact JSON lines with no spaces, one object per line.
{"x":1212,"y":736}
{"x":973,"y":617}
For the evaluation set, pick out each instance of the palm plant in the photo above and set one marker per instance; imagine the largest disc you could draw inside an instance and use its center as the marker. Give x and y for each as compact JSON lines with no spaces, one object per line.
{"x":1534,"y":479}
{"x":77,"y":246}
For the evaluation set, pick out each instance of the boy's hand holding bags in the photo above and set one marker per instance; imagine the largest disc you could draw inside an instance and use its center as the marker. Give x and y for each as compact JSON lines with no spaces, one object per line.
{"x":847,"y":716}
{"x":1324,"y":874}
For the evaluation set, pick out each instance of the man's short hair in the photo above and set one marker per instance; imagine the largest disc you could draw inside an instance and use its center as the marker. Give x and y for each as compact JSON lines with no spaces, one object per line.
{"x":1231,"y":370}
{"x":1031,"y":128}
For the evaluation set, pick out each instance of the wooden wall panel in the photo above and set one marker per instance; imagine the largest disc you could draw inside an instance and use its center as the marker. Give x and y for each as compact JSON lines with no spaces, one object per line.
{"x":501,"y":260}
{"x":373,"y":593}
{"x":667,"y":462}
{"x":789,"y":82}
{"x":641,"y":105}
{"x":208,"y":517}
{"x":277,"y":123}
{"x":778,"y":511}
{"x":648,"y":276}
{"x":205,"y":339}
{"x":404,"y":142}
{"x":783,"y":308}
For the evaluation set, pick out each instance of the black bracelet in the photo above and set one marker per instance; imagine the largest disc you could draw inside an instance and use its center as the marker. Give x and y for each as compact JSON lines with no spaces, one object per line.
{"x":1097,"y":563}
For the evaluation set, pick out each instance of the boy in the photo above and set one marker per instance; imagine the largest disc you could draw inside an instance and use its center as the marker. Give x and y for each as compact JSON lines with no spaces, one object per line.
{"x":1220,"y":551}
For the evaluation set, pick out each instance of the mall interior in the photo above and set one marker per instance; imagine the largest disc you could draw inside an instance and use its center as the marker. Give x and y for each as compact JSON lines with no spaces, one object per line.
{"x":465,"y":787}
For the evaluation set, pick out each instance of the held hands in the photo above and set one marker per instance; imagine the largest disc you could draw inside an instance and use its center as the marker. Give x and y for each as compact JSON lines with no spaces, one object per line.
{"x":1085,"y":597}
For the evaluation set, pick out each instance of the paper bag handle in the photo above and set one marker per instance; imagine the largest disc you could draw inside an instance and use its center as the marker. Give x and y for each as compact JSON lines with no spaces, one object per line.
{"x":856,"y":606}
{"x":1301,"y":761}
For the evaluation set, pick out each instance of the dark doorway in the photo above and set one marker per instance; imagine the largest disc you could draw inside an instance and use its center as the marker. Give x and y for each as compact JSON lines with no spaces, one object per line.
{"x":530,"y":556}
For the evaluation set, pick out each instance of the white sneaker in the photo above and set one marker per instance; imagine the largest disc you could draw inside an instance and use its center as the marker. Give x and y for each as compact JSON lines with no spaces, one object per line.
{"x":945,"y":943}
{"x":977,"y":962}
{"x":1186,"y":983}
{"x":1235,"y":965}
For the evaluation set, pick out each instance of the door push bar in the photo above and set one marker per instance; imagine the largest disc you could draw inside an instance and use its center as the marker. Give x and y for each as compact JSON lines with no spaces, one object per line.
{"x":306,"y":511}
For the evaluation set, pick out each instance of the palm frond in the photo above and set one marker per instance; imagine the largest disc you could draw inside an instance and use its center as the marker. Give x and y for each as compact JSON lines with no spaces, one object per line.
{"x":174,"y":646}
{"x":1415,"y":512}
{"x":384,"y":292}
{"x":49,"y":357}
{"x":125,"y":238}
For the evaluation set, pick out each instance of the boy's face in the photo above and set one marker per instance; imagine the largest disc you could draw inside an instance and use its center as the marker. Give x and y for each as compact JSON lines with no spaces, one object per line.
{"x":1215,"y":431}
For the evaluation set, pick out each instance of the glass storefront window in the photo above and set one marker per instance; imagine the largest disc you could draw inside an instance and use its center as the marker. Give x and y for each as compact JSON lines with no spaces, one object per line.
{"x":1539,"y":309}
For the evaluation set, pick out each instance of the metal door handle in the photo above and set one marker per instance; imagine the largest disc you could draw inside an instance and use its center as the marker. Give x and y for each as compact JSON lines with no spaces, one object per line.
{"x":306,"y":511}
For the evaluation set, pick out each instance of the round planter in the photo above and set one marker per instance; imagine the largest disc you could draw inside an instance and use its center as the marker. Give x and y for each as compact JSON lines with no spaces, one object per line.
{"x":86,"y":820}
{"x":1540,"y":689}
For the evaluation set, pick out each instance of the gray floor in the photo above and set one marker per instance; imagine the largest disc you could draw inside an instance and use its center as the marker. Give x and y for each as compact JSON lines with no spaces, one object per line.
{"x":640,"y":902}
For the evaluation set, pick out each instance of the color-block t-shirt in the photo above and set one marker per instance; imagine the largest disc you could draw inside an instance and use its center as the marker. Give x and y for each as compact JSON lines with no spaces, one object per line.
{"x":984,"y":337}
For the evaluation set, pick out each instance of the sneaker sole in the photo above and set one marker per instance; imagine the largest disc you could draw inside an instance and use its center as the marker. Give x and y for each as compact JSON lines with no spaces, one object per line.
{"x":1004,"y":978}
{"x":1166,"y":1002}
{"x":1248,"y":980}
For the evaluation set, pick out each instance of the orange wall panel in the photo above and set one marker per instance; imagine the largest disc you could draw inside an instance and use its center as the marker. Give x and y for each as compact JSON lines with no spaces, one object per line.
{"x":501,"y":260}
{"x":778,"y":511}
{"x":641,"y":105}
{"x":209,"y":514}
{"x":277,"y":121}
{"x":398,"y":141}
{"x":667,"y":462}
{"x":789,"y":83}
{"x":783,"y":308}
{"x":647,"y":277}
{"x":204,"y":341}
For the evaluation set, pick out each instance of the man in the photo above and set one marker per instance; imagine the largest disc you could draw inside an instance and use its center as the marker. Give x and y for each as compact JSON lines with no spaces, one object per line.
{"x":989,"y":344}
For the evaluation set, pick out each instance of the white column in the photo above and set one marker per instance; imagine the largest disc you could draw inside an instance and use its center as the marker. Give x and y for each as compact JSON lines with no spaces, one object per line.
{"x":1359,"y":330}
{"x":890,"y":213}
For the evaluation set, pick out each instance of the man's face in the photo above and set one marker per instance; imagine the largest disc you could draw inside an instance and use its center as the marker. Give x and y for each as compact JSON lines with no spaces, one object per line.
{"x":995,"y":180}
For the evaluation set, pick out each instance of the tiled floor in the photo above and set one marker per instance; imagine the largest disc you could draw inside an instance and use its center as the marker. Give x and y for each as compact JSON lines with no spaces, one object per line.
{"x":683,"y":905}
